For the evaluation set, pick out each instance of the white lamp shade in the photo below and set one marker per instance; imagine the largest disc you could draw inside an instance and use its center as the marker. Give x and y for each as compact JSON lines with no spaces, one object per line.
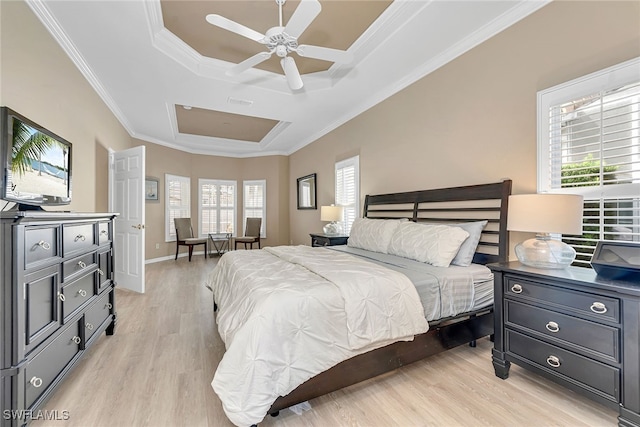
{"x":545,"y":213}
{"x":331,"y":213}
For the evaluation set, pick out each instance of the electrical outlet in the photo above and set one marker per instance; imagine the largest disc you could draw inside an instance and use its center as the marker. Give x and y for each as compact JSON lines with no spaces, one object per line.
{"x":157,"y":245}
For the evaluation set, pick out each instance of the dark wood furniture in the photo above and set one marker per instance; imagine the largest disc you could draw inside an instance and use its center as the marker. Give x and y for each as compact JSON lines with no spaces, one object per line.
{"x":185,"y":237}
{"x":57,"y":298}
{"x":573,"y":327}
{"x":328,"y":239}
{"x":446,"y":205}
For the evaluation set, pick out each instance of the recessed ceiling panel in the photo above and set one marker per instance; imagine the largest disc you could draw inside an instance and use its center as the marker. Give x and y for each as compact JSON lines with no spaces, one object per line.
{"x":218,"y":124}
{"x":338,"y":25}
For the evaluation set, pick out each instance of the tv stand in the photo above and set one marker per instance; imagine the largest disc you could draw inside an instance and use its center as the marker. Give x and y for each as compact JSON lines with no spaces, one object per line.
{"x":23,"y":207}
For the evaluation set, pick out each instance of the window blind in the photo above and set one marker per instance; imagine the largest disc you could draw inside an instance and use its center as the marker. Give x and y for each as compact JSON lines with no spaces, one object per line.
{"x":217,"y":206}
{"x":255,"y":203}
{"x":177,"y":202}
{"x":347,"y":190}
{"x":590,"y":145}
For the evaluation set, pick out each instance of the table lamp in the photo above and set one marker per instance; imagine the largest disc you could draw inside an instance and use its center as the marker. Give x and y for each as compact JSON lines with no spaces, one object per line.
{"x":544,"y":214}
{"x":331,"y":213}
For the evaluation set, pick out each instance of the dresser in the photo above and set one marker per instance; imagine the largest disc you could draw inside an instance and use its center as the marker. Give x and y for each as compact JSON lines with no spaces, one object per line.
{"x":57,"y":298}
{"x":573,"y":327}
{"x":328,"y":239}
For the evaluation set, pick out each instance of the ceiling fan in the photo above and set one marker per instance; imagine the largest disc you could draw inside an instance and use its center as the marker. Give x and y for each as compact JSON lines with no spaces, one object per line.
{"x":282,"y":40}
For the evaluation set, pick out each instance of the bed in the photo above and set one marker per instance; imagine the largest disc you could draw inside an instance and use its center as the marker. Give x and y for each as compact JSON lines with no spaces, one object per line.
{"x":263,"y":372}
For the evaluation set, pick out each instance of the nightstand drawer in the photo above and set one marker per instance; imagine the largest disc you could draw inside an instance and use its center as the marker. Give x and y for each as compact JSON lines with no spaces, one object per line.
{"x":600,"y":378}
{"x":597,"y":307}
{"x":587,"y":337}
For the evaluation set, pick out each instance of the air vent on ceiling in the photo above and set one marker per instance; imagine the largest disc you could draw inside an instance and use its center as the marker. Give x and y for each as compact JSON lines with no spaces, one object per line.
{"x":238,"y":101}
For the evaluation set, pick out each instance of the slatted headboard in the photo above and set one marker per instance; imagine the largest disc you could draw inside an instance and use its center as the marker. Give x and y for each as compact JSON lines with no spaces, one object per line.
{"x":453,"y":205}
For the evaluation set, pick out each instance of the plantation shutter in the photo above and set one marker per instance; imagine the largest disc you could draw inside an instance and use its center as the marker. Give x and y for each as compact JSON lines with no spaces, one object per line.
{"x":177,"y":202}
{"x":591,"y":146}
{"x":255,"y":203}
{"x":217,"y":201}
{"x":347,"y":190}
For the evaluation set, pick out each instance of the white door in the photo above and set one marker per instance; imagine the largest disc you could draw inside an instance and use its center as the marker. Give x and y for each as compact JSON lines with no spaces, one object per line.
{"x":126,"y":190}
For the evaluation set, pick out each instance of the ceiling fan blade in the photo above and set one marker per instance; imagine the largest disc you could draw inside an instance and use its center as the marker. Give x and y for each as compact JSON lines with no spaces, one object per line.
{"x":227,"y":24}
{"x":291,"y":72}
{"x":248,"y":63}
{"x":324,"y":53}
{"x":302,"y":17}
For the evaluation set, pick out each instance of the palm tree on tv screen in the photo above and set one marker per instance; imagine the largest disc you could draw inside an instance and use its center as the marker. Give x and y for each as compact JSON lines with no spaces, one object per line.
{"x":28,"y":145}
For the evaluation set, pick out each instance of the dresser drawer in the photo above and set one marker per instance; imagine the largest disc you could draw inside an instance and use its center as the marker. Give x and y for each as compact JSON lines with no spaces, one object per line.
{"x":104,"y":233}
{"x":49,"y":363}
{"x":588,"y":337}
{"x":96,"y":315}
{"x":598,"y":377}
{"x":597,"y":307}
{"x":77,"y":238}
{"x":77,"y":293}
{"x":40,"y":245}
{"x":78,"y":265}
{"x":104,"y":269}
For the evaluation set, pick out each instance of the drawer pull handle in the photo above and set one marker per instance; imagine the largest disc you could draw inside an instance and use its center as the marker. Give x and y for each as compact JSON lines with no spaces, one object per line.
{"x":76,"y":339}
{"x":89,"y":326}
{"x":552,"y":327}
{"x":82,"y":264}
{"x":553,"y":361}
{"x":100,"y":272}
{"x":82,"y":293}
{"x":44,"y":245}
{"x":108,"y":306}
{"x":60,"y":297}
{"x":36,"y":382}
{"x":79,"y":237}
{"x":598,"y":307}
{"x":104,"y":232}
{"x":516,"y":288}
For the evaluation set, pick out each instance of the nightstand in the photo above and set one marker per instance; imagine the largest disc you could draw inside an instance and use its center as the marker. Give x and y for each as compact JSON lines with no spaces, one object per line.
{"x":573,"y":327}
{"x":328,"y":239}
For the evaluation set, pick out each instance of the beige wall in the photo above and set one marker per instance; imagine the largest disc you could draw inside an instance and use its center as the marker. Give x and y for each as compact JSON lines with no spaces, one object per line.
{"x":39,"y":81}
{"x":473,"y":120}
{"x":161,"y":160}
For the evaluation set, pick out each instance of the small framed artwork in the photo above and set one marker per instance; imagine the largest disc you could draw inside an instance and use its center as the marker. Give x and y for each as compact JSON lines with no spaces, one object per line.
{"x":151,"y":189}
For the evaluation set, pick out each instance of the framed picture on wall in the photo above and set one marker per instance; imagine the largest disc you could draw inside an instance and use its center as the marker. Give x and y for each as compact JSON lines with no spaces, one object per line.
{"x":151,"y":189}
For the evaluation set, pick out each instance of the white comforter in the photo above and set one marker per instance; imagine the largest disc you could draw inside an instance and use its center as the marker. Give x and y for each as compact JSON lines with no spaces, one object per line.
{"x":288,"y":313}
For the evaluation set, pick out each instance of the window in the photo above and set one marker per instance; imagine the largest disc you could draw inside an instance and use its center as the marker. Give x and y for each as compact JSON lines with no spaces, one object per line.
{"x":348,"y":190}
{"x":177,"y":202}
{"x":217,"y":206}
{"x":589,"y":144}
{"x":255,"y":203}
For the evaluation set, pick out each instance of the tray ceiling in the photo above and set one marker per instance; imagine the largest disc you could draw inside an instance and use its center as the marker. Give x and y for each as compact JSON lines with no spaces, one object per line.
{"x":148,"y":59}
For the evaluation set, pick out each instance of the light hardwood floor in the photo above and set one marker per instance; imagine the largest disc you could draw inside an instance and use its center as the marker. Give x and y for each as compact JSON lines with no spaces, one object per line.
{"x":157,"y":369}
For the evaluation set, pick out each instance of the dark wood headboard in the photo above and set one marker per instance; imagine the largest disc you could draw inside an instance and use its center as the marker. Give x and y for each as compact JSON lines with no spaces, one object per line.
{"x":453,"y":205}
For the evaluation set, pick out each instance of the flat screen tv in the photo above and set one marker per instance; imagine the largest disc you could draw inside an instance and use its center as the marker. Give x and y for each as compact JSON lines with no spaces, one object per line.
{"x":36,"y":163}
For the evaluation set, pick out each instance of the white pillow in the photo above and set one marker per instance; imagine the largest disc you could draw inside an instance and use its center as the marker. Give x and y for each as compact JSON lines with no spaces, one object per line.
{"x":373,"y":234}
{"x":430,"y":243}
{"x":468,"y":247}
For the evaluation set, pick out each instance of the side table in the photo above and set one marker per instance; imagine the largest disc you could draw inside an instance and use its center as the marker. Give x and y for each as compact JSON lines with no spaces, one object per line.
{"x":328,"y":239}
{"x":221,"y":242}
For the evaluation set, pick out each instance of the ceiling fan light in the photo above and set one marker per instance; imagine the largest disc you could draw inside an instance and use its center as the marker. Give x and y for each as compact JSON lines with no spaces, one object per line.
{"x":291,"y":72}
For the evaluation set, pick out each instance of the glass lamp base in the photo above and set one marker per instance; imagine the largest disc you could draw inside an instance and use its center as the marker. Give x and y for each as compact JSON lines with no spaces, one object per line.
{"x":332,"y":228}
{"x":544,"y":252}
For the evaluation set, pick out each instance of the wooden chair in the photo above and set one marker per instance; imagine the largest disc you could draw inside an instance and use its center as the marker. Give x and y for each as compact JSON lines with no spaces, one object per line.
{"x":184,"y":236}
{"x":251,"y":233}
